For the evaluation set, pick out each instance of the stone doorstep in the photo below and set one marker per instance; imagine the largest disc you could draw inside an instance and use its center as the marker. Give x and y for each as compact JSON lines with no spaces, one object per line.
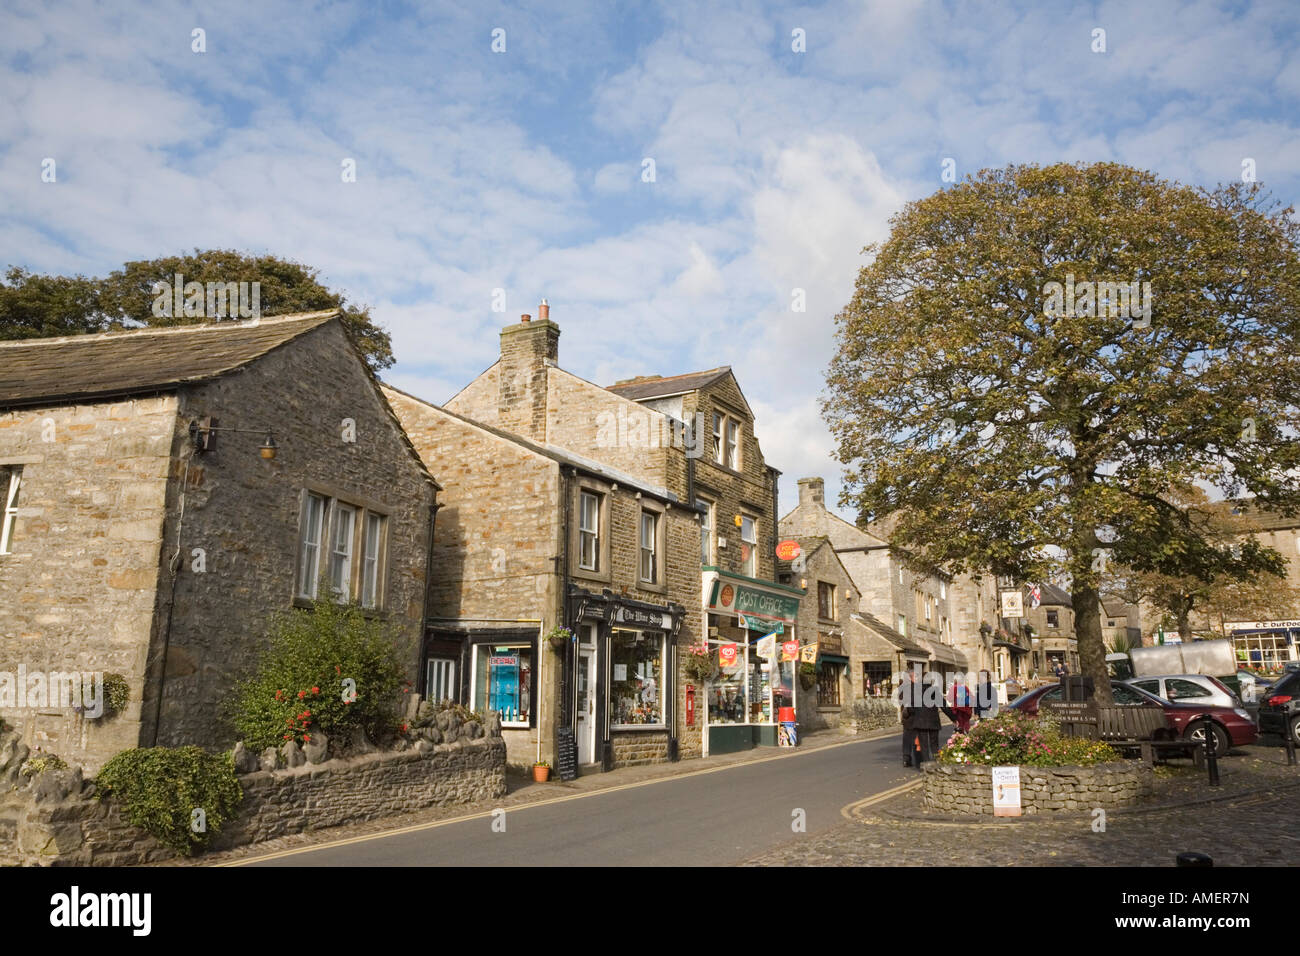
{"x":913,"y":816}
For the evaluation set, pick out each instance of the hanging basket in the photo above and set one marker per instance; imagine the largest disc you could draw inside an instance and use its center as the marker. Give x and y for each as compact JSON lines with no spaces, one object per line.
{"x":700,"y":667}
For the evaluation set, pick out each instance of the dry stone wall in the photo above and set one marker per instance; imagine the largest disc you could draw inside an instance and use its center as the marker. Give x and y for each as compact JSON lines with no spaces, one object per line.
{"x":953,"y":788}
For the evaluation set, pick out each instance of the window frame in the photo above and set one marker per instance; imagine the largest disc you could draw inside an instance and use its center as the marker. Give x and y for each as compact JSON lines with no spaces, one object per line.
{"x":706,"y":531}
{"x":333,"y":504}
{"x":9,"y":509}
{"x":649,"y":520}
{"x":829,"y":604}
{"x":749,"y":566}
{"x":586,"y":533}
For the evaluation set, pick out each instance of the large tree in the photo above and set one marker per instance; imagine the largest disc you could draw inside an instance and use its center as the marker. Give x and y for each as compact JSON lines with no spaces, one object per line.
{"x":1237,"y":578}
{"x":33,"y":305}
{"x":1016,"y":427}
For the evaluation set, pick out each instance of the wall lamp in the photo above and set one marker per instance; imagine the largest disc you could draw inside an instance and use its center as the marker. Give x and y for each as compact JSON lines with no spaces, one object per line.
{"x":203,"y":437}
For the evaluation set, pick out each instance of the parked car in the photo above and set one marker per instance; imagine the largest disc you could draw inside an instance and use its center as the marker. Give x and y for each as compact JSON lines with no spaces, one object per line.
{"x":1279,"y":707}
{"x":1230,"y":726}
{"x":1252,"y":685}
{"x":1188,"y":689}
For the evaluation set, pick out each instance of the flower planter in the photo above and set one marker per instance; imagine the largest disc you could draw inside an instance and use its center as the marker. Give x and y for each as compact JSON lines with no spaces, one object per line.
{"x":541,"y":774}
{"x":968,"y":788}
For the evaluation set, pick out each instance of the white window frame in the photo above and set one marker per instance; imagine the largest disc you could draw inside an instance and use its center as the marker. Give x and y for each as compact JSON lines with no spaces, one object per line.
{"x":651,"y":552}
{"x":372,"y":561}
{"x":342,"y":559}
{"x":309,"y":568}
{"x":901,"y":624}
{"x":592,"y":533}
{"x":733,"y":443}
{"x":719,"y":429}
{"x":749,"y":566}
{"x":706,"y":531}
{"x":364,"y":573}
{"x":446,"y":667}
{"x":9,"y":517}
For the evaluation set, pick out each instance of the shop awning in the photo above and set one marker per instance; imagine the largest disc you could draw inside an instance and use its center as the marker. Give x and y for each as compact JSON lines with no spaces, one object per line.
{"x":1011,"y":646}
{"x":834,"y":658}
{"x":947,"y":655}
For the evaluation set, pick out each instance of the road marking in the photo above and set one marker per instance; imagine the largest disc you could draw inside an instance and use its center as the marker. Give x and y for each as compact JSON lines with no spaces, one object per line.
{"x":850,"y":811}
{"x":433,"y":825}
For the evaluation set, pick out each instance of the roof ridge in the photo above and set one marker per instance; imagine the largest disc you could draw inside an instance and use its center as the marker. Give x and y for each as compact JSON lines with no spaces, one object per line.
{"x":648,"y":379}
{"x":217,"y":326}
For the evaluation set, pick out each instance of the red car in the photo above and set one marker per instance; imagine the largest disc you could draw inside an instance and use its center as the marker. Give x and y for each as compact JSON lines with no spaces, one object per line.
{"x":1230,"y":726}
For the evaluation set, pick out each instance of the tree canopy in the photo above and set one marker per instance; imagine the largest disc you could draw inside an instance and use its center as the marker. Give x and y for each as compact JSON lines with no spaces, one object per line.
{"x":1034,"y":357}
{"x":33,"y":305}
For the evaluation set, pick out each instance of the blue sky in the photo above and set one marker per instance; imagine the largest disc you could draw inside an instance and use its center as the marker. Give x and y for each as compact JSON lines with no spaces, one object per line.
{"x":522,"y":170}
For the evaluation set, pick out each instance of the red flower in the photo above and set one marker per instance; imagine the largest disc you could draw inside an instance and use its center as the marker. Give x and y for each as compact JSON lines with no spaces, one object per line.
{"x":302,"y":694}
{"x":337,"y":669}
{"x":315,"y":690}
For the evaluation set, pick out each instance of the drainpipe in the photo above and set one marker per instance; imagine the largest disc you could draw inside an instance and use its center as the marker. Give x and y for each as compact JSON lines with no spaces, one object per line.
{"x":422,"y":676}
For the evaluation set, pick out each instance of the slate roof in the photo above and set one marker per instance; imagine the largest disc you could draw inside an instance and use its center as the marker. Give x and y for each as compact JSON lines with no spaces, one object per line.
{"x":656,"y":386}
{"x":110,"y":364}
{"x":1261,"y":519}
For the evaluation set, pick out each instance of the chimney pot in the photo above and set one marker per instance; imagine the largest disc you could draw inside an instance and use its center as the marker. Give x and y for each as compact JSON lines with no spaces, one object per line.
{"x":525,"y":318}
{"x":544,"y":311}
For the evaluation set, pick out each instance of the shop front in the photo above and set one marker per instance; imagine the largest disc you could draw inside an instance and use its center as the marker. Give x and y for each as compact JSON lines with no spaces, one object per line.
{"x":621,"y":700}
{"x":751,"y":627}
{"x":1265,"y":645}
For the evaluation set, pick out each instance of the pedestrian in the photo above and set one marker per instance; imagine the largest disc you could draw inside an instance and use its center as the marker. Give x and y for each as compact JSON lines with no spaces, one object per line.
{"x":959,"y":706}
{"x":1057,"y":670}
{"x":908,"y":691}
{"x":986,"y":704}
{"x":925,"y":718}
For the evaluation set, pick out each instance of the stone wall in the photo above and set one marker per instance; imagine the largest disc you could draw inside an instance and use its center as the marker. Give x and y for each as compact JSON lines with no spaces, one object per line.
{"x":953,"y":788}
{"x":81,"y":584}
{"x":634,"y":748}
{"x":55,"y":817}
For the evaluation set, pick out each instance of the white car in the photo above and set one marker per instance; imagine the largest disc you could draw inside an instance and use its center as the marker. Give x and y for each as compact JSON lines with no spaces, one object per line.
{"x":1188,"y":689}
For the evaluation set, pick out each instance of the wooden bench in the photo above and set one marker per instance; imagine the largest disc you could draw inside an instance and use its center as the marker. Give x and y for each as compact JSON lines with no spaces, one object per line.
{"x":1141,"y":726}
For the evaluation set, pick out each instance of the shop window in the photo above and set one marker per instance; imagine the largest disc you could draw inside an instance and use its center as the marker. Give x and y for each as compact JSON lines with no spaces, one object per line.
{"x":503,"y":682}
{"x":589,"y":531}
{"x":727,"y":690}
{"x":828,"y":684}
{"x":748,"y":546}
{"x":9,"y":480}
{"x":760,"y":687}
{"x":825,"y":601}
{"x":635,"y":694}
{"x":877,"y":679}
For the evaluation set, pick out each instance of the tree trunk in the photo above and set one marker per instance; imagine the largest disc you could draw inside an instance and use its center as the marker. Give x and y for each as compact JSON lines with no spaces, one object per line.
{"x":1087,"y":629}
{"x":1185,"y":620}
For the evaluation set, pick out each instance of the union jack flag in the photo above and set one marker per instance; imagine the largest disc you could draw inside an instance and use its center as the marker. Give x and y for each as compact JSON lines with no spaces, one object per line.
{"x":1035,"y":596}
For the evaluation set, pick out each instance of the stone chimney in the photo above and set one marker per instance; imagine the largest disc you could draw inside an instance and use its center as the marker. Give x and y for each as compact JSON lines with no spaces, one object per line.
{"x":812,"y":492}
{"x":527,"y":350}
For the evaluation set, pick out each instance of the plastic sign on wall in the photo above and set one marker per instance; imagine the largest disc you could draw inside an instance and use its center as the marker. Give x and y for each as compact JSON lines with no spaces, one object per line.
{"x":790,"y":651}
{"x":727,"y":655}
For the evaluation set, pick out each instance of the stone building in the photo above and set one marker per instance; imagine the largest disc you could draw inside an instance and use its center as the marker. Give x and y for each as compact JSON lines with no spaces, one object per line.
{"x":531,"y":538}
{"x":169,"y":490}
{"x":1052,"y":627}
{"x":922,"y":609}
{"x":692,"y":435}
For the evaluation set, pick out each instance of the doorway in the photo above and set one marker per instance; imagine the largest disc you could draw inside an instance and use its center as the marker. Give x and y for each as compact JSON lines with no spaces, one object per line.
{"x":586,"y":704}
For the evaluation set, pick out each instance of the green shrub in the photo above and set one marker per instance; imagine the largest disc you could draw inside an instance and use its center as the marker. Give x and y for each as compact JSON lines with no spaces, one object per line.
{"x":117,"y":693}
{"x":1012,"y":738}
{"x":42,"y":762}
{"x":161,"y":788}
{"x":331,"y":669}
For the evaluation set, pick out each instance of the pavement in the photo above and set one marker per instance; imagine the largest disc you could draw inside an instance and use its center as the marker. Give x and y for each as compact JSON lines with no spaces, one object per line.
{"x":836,"y":800}
{"x":1247,"y":821}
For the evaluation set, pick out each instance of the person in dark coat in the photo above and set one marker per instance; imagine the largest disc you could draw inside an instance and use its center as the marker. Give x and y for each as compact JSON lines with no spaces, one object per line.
{"x":907,"y":694}
{"x":927,"y":700}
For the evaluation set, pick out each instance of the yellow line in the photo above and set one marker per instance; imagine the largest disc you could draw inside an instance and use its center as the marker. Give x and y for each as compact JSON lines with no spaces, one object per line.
{"x":849,"y":811}
{"x":415,"y":828}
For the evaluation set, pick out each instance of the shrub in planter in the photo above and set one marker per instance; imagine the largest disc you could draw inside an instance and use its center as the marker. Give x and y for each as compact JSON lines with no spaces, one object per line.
{"x":698,"y":662}
{"x":332,"y":669}
{"x":117,"y":694}
{"x":160,"y":789}
{"x":1014,"y":739}
{"x":807,"y":675}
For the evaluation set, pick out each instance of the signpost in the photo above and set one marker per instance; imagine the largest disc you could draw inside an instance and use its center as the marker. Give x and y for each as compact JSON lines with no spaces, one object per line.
{"x":1013,"y":604}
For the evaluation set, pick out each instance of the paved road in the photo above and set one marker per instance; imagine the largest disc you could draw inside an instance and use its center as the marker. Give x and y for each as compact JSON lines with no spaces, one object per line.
{"x":714,"y":818}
